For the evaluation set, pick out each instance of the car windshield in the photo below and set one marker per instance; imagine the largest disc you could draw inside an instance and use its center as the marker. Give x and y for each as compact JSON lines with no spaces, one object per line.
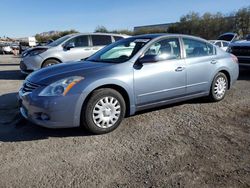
{"x":120,"y":51}
{"x":59,"y":41}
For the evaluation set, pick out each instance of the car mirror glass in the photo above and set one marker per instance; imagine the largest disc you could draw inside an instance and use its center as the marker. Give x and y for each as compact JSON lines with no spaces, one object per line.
{"x":70,"y":45}
{"x":148,"y":59}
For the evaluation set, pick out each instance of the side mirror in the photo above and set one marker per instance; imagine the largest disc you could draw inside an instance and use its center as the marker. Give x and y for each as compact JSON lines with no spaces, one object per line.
{"x":69,"y":46}
{"x":148,"y":59}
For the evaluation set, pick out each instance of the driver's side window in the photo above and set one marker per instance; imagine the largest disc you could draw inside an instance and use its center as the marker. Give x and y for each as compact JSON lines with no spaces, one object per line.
{"x":79,"y":41}
{"x":165,"y":49}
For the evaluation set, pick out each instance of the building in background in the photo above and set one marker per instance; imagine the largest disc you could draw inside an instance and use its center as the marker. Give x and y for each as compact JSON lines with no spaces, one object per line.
{"x":163,"y":27}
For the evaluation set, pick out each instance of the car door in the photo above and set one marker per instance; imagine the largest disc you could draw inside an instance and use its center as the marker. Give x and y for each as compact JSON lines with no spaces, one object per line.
{"x":155,"y":82}
{"x":80,"y":50}
{"x":200,"y":61}
{"x":99,"y":41}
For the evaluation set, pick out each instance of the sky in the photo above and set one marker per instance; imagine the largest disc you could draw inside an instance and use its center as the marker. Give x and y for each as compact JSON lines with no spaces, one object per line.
{"x":23,"y":18}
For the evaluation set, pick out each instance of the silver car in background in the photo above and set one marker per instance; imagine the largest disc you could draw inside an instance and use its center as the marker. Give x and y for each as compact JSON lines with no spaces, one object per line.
{"x":125,"y":77}
{"x":223,"y":44}
{"x":72,"y":47}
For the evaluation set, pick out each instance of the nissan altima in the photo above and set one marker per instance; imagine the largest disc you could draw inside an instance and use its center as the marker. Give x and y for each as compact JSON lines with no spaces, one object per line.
{"x":125,"y":77}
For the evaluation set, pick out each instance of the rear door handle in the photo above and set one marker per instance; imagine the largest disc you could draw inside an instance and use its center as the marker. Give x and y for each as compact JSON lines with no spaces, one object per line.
{"x":179,"y":69}
{"x":96,"y":48}
{"x":213,"y":62}
{"x":87,"y":49}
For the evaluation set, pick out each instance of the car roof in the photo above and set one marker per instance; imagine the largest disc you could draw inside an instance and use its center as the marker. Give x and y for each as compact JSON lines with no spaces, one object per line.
{"x":108,"y":34}
{"x":159,"y":35}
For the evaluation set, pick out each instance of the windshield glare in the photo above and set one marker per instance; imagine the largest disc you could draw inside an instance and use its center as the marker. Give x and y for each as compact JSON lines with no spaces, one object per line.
{"x":59,"y":41}
{"x":120,"y":51}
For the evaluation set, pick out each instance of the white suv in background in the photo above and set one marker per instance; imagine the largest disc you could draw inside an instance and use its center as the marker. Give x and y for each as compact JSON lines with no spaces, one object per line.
{"x":221,"y":43}
{"x":72,"y":47}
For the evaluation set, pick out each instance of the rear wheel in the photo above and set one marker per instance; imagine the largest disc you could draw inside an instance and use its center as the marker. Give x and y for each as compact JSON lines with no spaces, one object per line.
{"x":50,"y":62}
{"x":104,"y":111}
{"x":219,"y":87}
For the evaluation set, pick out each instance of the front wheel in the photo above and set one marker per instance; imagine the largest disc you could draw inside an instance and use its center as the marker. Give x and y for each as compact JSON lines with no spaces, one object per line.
{"x":104,"y":111}
{"x":219,"y":87}
{"x":50,"y":62}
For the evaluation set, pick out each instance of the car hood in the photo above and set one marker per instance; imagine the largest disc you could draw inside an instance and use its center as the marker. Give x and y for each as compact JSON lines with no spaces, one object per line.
{"x":54,"y":73}
{"x":228,"y":37}
{"x":26,"y":52}
{"x":241,"y":43}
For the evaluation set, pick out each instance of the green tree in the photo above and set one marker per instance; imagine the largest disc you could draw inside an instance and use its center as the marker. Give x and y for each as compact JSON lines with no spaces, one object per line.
{"x":42,"y":39}
{"x":243,"y":21}
{"x":101,"y":29}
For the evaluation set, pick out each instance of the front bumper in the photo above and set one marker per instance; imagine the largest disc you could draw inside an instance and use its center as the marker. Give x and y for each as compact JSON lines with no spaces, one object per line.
{"x":24,"y":68}
{"x":60,"y":110}
{"x":30,"y":63}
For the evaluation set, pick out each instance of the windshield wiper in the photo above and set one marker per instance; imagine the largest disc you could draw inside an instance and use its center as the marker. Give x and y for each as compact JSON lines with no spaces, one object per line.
{"x":101,"y":61}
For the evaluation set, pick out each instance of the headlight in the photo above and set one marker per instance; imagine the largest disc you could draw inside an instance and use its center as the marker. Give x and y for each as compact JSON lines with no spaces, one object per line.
{"x":61,"y":87}
{"x":24,"y":54}
{"x":37,"y":52}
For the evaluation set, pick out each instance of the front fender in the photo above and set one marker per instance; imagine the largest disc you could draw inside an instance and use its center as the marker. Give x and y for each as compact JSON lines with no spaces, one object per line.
{"x":100,"y":83}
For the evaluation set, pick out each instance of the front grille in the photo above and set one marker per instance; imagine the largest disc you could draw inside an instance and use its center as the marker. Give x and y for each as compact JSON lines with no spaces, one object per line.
{"x":28,"y":87}
{"x":241,"y":51}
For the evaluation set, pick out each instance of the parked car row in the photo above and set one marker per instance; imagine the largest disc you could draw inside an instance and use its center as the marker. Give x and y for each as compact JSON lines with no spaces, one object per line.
{"x":7,"y":48}
{"x":127,"y":76}
{"x":224,"y":40}
{"x":231,"y":43}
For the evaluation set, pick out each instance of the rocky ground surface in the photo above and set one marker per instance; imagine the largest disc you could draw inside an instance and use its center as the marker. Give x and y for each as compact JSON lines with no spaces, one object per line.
{"x":190,"y":144}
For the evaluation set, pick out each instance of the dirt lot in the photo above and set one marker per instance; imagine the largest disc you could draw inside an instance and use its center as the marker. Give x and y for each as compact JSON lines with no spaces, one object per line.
{"x":192,"y":144}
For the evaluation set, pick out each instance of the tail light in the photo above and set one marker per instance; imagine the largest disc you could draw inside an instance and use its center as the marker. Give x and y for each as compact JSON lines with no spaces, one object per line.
{"x":235,"y":59}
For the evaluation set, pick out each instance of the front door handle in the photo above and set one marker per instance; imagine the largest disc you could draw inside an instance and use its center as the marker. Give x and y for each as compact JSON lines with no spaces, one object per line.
{"x":213,"y":62}
{"x":179,"y":69}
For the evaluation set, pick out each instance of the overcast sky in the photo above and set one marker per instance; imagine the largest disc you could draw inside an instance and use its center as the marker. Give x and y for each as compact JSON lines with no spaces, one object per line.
{"x":20,"y":18}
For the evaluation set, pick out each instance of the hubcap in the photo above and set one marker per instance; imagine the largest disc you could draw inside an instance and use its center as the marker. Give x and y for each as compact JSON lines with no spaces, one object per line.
{"x":106,"y":112}
{"x":220,"y":87}
{"x":50,"y":64}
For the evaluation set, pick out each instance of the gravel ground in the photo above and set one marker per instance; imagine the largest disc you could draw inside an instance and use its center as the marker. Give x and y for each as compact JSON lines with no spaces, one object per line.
{"x":190,"y":144}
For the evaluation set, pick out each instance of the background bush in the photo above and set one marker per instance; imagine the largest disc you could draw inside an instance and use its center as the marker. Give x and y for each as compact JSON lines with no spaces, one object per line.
{"x":208,"y":26}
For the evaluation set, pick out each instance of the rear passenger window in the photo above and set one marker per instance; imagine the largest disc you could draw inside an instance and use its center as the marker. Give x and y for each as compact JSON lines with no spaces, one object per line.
{"x":101,"y":40}
{"x":117,"y":38}
{"x":196,"y":48}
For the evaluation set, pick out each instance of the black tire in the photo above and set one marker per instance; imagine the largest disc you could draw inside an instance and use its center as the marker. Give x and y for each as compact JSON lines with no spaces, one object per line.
{"x":88,"y":110}
{"x":50,"y":62}
{"x":213,"y":96}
